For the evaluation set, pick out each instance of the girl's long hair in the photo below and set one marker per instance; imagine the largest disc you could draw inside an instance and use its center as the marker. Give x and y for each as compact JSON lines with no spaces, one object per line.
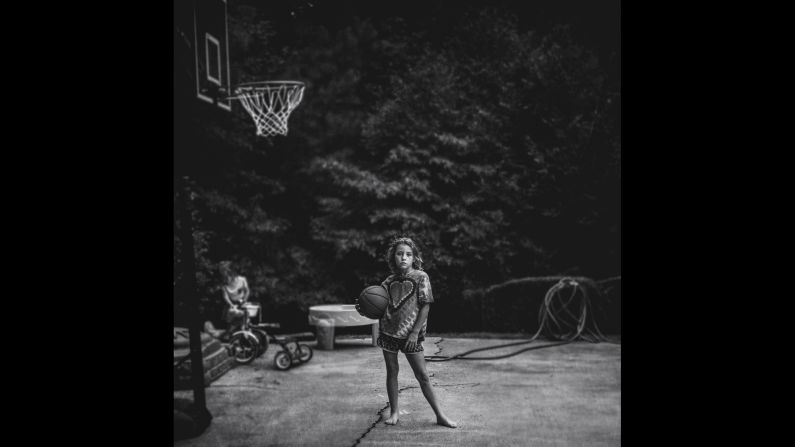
{"x":390,"y":253}
{"x":227,"y":271}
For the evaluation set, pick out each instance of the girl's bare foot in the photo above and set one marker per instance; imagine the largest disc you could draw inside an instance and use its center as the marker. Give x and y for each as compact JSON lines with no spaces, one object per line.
{"x":444,"y":420}
{"x":393,"y":418}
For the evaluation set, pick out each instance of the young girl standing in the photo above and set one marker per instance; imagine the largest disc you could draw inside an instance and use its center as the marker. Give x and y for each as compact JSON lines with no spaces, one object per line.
{"x":402,"y":328}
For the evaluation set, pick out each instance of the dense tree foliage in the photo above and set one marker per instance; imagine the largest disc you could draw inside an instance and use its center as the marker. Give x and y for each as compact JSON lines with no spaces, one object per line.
{"x":497,"y":147}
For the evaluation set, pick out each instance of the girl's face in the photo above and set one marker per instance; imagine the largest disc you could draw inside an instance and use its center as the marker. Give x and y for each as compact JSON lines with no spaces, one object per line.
{"x":404,"y":258}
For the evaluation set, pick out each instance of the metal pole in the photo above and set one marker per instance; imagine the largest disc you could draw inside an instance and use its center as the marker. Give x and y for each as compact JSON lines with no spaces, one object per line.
{"x":200,"y":413}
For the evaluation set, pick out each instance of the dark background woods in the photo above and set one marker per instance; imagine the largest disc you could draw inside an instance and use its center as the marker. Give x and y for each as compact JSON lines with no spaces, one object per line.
{"x":490,"y":131}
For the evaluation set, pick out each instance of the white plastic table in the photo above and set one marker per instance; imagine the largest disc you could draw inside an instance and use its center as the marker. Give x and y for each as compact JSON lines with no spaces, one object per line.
{"x":328,"y":316}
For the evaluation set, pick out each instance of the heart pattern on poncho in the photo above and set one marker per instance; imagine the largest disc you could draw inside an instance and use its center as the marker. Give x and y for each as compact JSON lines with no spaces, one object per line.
{"x":400,"y":290}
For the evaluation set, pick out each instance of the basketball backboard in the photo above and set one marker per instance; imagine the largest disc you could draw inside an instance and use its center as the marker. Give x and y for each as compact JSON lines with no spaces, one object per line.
{"x":203,"y":30}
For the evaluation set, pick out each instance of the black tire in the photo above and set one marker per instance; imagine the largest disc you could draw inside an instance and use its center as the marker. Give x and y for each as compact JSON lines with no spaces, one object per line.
{"x":282,"y":361}
{"x":305,"y":353}
{"x":262,"y":337}
{"x":245,"y":347}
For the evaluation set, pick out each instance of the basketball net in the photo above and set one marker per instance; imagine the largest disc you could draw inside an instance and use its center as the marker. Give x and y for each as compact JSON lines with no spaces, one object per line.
{"x":270,"y":103}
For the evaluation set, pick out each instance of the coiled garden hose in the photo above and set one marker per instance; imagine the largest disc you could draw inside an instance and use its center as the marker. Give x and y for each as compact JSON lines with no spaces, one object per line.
{"x":555,"y":320}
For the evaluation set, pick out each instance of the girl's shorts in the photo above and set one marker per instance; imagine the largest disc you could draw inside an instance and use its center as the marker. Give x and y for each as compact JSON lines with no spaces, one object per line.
{"x":393,"y":344}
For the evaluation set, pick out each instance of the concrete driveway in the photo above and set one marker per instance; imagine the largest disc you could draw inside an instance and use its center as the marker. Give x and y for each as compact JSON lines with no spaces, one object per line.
{"x":560,"y":396}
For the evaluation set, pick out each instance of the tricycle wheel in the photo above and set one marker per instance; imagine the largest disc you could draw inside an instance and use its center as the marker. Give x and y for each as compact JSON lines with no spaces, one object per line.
{"x":304,"y":353}
{"x":245,"y":347}
{"x":282,"y":361}
{"x":262,"y":337}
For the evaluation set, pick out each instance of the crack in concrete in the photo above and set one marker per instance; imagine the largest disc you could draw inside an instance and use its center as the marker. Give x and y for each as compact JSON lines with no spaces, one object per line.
{"x":437,"y":345}
{"x":380,"y":417}
{"x":381,"y":411}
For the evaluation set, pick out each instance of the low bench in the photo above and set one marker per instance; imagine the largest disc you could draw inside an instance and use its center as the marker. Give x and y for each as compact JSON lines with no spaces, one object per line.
{"x":329,"y":316}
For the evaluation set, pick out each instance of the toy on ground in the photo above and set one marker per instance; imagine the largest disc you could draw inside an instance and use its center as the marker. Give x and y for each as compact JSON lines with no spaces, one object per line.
{"x":250,"y":341}
{"x":292,"y":353}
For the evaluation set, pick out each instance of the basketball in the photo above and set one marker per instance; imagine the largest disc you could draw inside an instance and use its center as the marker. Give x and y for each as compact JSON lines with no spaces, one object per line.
{"x":372,"y":302}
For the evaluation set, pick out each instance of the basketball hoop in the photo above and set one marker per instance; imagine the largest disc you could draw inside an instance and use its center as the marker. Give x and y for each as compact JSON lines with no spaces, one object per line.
{"x":270,"y":103}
